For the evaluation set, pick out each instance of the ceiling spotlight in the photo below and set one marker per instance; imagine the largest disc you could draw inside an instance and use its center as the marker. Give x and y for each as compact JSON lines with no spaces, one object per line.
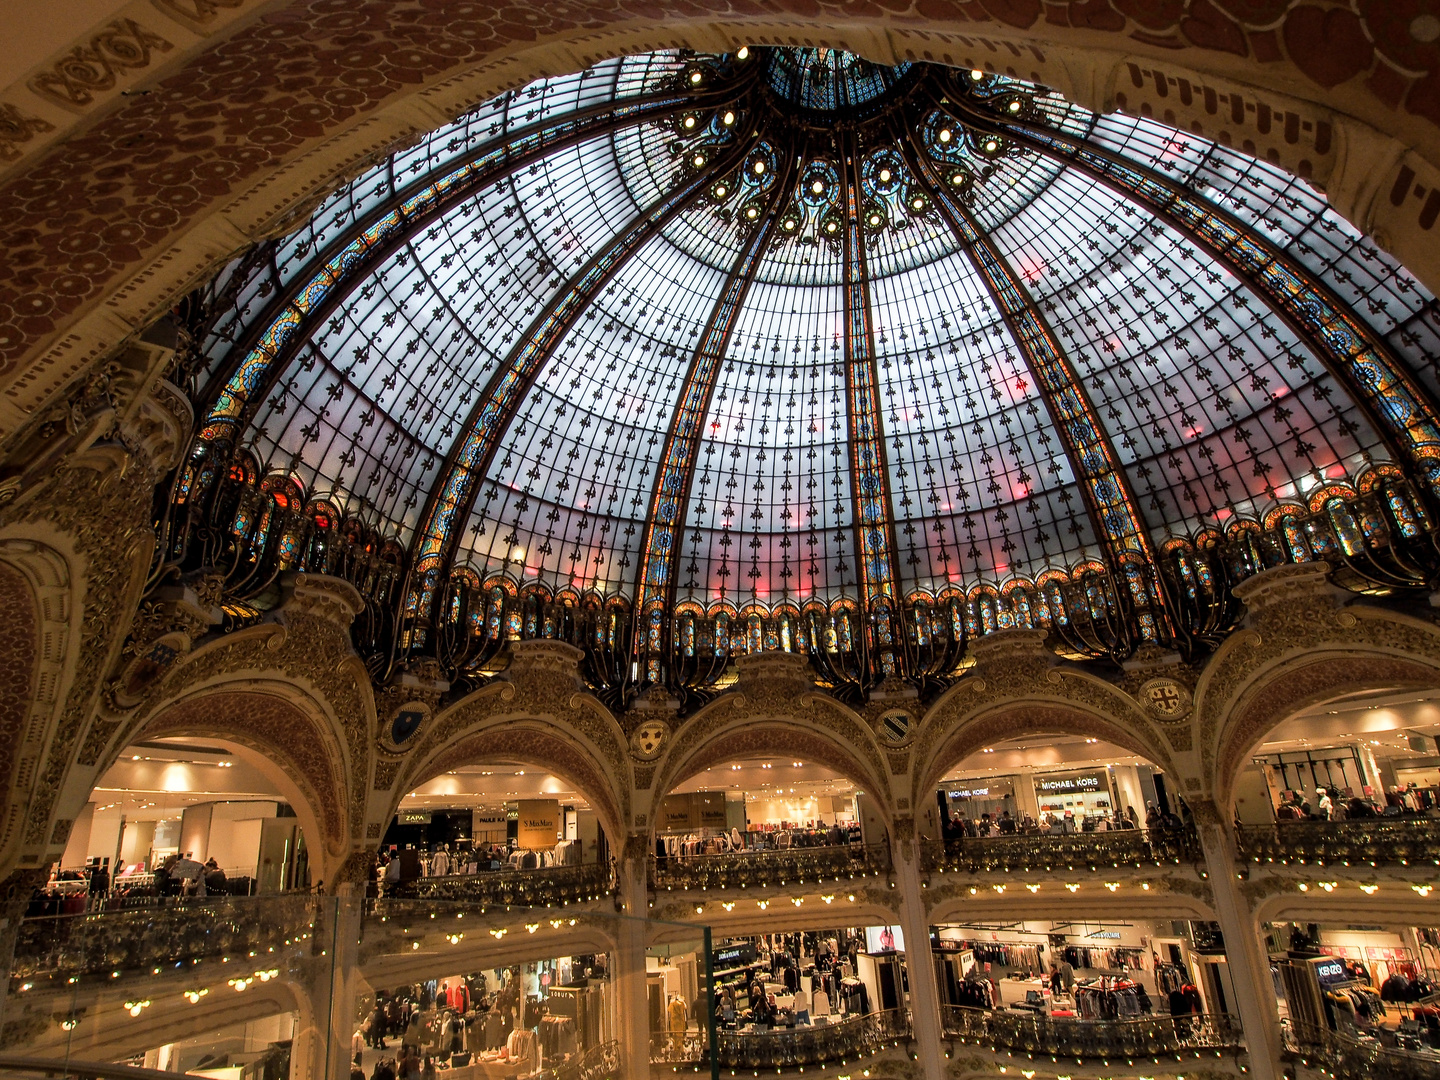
{"x":729,"y":119}
{"x":1014,"y":106}
{"x":695,"y":78}
{"x":991,"y":146}
{"x":720,"y":191}
{"x":884,"y":176}
{"x":689,"y":121}
{"x":744,"y":53}
{"x":760,"y":167}
{"x":976,"y":75}
{"x":699,"y":160}
{"x":945,"y":135}
{"x":752,"y":213}
{"x":818,"y":186}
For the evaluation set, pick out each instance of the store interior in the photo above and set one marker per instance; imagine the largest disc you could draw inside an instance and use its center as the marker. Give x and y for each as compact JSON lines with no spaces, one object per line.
{"x":1377,"y":985}
{"x":1088,"y":971}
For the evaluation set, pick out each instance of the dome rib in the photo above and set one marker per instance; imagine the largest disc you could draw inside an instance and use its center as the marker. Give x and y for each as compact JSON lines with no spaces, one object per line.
{"x":869,"y":471}
{"x":1402,"y":413}
{"x":450,"y":502}
{"x":1109,"y":501}
{"x":669,"y":500}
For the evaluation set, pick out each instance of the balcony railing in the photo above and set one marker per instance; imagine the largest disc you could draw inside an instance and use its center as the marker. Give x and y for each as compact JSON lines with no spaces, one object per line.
{"x":1347,"y":1057}
{"x":1065,"y":851}
{"x":551,"y":886}
{"x":747,"y":869}
{"x":783,"y":1048}
{"x":1353,"y":842}
{"x":1147,"y":1036}
{"x":163,"y":934}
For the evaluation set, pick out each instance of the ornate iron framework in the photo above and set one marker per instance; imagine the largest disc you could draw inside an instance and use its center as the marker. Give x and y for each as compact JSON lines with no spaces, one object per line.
{"x":755,"y":145}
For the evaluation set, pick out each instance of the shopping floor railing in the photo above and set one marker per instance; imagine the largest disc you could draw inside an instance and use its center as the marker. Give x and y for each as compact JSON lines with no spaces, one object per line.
{"x":757,"y":869}
{"x":1356,"y":1057}
{"x":1353,"y":842}
{"x":828,"y":1040}
{"x":1060,"y":1037}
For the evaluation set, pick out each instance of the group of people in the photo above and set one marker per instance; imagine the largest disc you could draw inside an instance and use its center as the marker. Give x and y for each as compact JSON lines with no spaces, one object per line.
{"x":1330,"y":804}
{"x":959,"y":827}
{"x":185,"y":876}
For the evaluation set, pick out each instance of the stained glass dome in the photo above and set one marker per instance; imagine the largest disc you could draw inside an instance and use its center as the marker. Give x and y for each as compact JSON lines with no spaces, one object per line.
{"x":732,"y":345}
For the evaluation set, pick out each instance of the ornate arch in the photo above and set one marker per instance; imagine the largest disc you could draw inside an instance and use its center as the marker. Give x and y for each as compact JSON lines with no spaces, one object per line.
{"x":1280,"y":82}
{"x":1300,"y":647}
{"x":1017,"y":687}
{"x":776,"y":709}
{"x":970,"y":731}
{"x":38,"y":640}
{"x":530,"y":742}
{"x":288,"y":737}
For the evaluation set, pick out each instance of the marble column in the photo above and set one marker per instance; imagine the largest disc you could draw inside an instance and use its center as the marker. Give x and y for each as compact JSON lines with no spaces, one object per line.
{"x":1244,"y":950}
{"x":919,"y":958}
{"x":633,"y":1006}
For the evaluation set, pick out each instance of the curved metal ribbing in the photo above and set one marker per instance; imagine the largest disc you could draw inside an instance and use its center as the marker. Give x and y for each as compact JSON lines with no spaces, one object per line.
{"x":869,"y":473}
{"x":1396,"y":405}
{"x":474,"y":447}
{"x":670,"y":498}
{"x":1113,"y":508}
{"x":292,"y":318}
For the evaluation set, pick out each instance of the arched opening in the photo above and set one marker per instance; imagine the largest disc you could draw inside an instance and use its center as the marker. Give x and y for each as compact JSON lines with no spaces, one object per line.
{"x":476,"y":811}
{"x":181,"y":907}
{"x":196,"y":799}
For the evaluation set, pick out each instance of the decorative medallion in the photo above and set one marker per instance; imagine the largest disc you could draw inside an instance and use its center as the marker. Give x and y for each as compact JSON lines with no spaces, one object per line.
{"x":649,"y":739}
{"x":895,"y":726}
{"x":1165,"y":700}
{"x":408,"y":718}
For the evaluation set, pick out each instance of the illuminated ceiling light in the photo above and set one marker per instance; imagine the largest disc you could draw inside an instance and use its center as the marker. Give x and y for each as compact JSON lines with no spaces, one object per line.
{"x":945,"y":135}
{"x":531,"y":927}
{"x":874,"y":219}
{"x":829,"y":899}
{"x":797,"y":900}
{"x":1303,"y":887}
{"x":1073,"y":888}
{"x":1112,"y":885}
{"x":1014,"y":106}
{"x":818,"y":186}
{"x":498,"y":934}
{"x":699,"y":160}
{"x":1423,"y":890}
{"x":788,"y":224}
{"x":517,"y":553}
{"x":728,"y":119}
{"x":689,"y":121}
{"x":762,"y":904}
{"x":1369,"y":890}
{"x":695,"y":78}
{"x":728,"y":905}
{"x":977,"y":75}
{"x":721,"y":190}
{"x":1328,"y":886}
{"x":991,"y":146}
{"x":884,"y":176}
{"x":1033,"y":888}
{"x":760,"y":167}
{"x":135,"y":1007}
{"x":830,"y":226}
{"x":744,"y":53}
{"x":917,"y":203}
{"x":194,"y":996}
{"x":998,"y":888}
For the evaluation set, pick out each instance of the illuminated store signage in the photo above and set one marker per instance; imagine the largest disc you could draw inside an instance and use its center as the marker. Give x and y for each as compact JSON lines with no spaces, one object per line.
{"x":1071,"y":785}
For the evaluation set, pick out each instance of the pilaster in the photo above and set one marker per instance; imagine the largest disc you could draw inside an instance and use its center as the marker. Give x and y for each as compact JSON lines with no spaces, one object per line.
{"x":632,"y":1004}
